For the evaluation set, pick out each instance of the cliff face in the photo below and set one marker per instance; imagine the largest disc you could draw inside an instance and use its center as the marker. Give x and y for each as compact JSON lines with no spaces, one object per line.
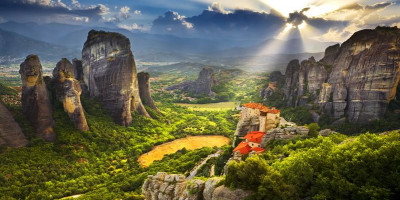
{"x":144,"y":90}
{"x":10,"y":132}
{"x":109,"y":71}
{"x":205,"y":81}
{"x":35,"y":101}
{"x":303,"y":81}
{"x":356,"y":80}
{"x":69,"y":91}
{"x":165,"y":186}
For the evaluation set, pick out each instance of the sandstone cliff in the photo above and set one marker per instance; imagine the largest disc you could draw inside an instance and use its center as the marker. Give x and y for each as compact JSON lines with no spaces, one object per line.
{"x":10,"y":132}
{"x":109,"y":71}
{"x":69,"y":92}
{"x":205,"y":81}
{"x":144,"y":90}
{"x":355,"y":81}
{"x":35,"y":101}
{"x":165,"y":186}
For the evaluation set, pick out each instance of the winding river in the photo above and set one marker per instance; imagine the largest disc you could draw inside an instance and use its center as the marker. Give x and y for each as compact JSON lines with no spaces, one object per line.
{"x":189,"y":142}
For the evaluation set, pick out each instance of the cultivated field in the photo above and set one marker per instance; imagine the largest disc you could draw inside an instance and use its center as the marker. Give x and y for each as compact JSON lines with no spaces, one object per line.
{"x":190,"y":143}
{"x":222,"y":106}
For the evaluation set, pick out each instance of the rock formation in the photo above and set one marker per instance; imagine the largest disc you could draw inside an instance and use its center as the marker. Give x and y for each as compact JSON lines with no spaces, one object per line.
{"x":284,"y":133}
{"x":201,"y":86}
{"x":69,"y":92}
{"x":303,"y":81}
{"x":109,"y":71}
{"x":165,"y":186}
{"x":144,"y":90}
{"x":355,"y":81}
{"x":35,"y":101}
{"x":256,"y":117}
{"x":10,"y":131}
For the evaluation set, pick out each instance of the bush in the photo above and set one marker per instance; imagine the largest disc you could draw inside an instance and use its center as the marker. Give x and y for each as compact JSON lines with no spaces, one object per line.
{"x":313,"y":129}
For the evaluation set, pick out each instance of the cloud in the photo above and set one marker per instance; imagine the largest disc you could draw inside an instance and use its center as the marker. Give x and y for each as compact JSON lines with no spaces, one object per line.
{"x":217,"y":7}
{"x":357,"y":17}
{"x":217,"y":22}
{"x":132,"y":27}
{"x":75,"y":4}
{"x":124,"y":12}
{"x":48,"y":11}
{"x":171,"y":22}
{"x":297,"y":18}
{"x":81,"y":19}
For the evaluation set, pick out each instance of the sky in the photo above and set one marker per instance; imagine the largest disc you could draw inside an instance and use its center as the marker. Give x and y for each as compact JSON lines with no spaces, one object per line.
{"x":323,"y":20}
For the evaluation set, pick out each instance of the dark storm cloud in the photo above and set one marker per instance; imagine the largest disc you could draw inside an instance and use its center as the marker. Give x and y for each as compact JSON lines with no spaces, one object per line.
{"x":237,"y":24}
{"x":297,"y":18}
{"x":45,"y":11}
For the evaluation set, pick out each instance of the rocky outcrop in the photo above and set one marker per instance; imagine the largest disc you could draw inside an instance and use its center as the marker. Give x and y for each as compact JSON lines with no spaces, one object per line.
{"x":205,"y":81}
{"x":355,"y":81}
{"x":203,"y":84}
{"x":35,"y":101}
{"x":144,"y":90}
{"x":69,"y":91}
{"x":303,"y":81}
{"x":284,"y":134}
{"x":249,"y":121}
{"x":10,"y":131}
{"x":109,"y":71}
{"x":165,"y":186}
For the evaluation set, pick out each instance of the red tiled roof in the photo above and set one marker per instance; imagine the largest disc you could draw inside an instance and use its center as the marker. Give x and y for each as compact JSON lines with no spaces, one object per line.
{"x":261,"y":107}
{"x":254,"y":136}
{"x":243,"y":148}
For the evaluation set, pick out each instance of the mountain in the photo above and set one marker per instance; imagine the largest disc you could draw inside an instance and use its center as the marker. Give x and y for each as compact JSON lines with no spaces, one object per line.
{"x":244,"y":53}
{"x":15,"y":47}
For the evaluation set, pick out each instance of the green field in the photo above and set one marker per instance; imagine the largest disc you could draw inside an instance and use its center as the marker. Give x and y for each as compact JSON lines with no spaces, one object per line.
{"x":221,"y":106}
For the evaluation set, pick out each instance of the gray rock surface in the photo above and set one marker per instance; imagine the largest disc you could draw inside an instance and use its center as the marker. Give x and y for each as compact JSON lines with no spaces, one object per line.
{"x":284,"y":133}
{"x":144,"y":90}
{"x":35,"y":101}
{"x":165,"y":186}
{"x":356,"y":80}
{"x":110,"y":73}
{"x":201,"y":86}
{"x":69,"y":92}
{"x":10,"y":131}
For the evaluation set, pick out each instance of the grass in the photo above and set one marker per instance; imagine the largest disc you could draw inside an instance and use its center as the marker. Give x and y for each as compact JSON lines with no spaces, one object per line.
{"x":221,"y":106}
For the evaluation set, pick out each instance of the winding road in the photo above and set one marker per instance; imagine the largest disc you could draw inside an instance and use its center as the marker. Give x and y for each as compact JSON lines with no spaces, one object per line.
{"x":203,"y":162}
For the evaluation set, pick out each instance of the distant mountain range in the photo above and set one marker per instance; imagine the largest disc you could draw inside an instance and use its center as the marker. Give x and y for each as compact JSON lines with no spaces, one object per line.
{"x":54,"y":41}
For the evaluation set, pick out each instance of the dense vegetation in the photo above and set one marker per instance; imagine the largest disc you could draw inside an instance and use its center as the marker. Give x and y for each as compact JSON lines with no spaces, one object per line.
{"x":334,"y":167}
{"x":5,"y":90}
{"x":102,"y":163}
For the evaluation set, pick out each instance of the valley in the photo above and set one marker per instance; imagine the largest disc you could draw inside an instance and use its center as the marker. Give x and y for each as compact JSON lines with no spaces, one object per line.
{"x":230,"y":104}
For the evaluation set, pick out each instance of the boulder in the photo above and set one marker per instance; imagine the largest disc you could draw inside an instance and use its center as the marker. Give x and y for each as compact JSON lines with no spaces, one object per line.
{"x":109,"y":71}
{"x":35,"y":101}
{"x":68,"y":91}
{"x":10,"y":131}
{"x":144,"y":90}
{"x":224,"y":193}
{"x":209,"y":187}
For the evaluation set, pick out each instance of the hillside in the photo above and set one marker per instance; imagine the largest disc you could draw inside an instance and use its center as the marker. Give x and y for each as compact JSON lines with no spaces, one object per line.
{"x":14,"y":47}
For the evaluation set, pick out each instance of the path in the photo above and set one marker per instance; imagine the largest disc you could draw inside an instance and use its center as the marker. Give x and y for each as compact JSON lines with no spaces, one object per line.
{"x":203,"y":162}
